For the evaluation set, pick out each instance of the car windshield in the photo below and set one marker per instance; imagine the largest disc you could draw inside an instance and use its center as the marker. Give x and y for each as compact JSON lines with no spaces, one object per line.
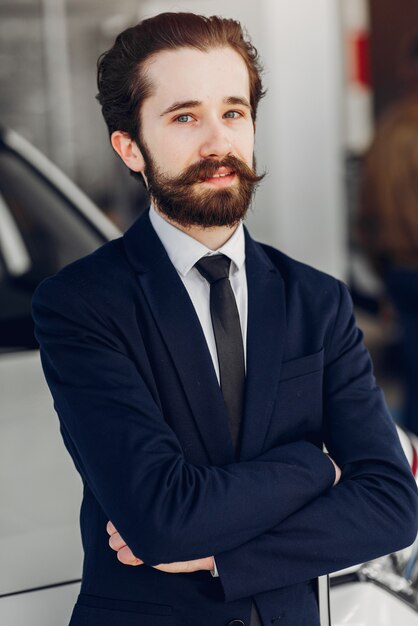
{"x":40,"y":232}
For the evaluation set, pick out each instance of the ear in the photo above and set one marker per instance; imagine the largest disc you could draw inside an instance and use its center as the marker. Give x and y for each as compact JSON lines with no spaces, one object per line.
{"x":128,"y":150}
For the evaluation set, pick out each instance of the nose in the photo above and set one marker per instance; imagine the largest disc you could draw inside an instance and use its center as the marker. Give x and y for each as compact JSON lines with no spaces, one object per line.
{"x":215,"y":142}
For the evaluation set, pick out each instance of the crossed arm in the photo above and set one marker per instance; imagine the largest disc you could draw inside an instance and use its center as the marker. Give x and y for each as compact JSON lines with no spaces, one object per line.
{"x":372,"y":511}
{"x":127,"y":557}
{"x":162,"y":512}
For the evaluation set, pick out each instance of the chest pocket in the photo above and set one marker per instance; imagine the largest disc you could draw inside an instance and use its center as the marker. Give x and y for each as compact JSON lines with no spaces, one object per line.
{"x":298,"y":409}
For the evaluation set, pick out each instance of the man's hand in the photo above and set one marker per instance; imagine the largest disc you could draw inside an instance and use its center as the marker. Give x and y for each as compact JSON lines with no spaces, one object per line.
{"x":127,"y":557}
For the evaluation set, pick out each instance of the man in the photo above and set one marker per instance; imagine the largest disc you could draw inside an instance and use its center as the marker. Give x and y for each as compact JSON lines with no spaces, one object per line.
{"x":197,"y":373}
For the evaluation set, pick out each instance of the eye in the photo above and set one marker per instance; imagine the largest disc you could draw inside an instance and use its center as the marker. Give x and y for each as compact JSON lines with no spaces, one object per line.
{"x":233,"y":114}
{"x":183,"y":118}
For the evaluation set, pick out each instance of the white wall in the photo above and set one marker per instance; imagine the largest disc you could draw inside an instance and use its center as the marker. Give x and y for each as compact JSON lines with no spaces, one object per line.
{"x":299,"y":206}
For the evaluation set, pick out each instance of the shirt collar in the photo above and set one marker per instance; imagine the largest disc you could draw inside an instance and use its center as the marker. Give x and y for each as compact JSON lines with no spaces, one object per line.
{"x":184,"y":251}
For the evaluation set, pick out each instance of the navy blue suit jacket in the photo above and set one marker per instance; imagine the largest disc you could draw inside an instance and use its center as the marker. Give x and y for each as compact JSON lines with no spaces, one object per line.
{"x":143,"y":418}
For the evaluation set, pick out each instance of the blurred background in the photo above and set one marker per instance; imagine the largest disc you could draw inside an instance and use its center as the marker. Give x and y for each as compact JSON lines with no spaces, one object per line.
{"x":332,"y":70}
{"x":337,"y":133}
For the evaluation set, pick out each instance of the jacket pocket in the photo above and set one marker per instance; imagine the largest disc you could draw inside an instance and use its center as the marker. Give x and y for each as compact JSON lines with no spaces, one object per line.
{"x":97,"y":611}
{"x":297,"y":412}
{"x":303,"y":365}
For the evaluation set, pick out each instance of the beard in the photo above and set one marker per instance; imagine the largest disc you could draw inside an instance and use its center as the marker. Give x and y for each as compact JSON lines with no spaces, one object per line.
{"x":182,"y":199}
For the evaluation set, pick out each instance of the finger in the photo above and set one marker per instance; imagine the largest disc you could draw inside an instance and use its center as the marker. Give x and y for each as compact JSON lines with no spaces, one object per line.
{"x":116,"y":542}
{"x":169,"y":568}
{"x":173,"y":568}
{"x":127,"y":557}
{"x":110,"y":528}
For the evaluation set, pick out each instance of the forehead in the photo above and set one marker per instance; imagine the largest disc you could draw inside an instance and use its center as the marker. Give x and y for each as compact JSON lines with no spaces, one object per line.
{"x":190,"y":74}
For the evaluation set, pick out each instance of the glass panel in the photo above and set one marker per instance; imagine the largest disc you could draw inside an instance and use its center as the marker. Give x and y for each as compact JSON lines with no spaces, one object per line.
{"x":49,"y":232}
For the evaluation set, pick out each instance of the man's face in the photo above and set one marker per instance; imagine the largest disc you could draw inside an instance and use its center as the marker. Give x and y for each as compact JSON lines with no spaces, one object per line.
{"x":197,"y":136}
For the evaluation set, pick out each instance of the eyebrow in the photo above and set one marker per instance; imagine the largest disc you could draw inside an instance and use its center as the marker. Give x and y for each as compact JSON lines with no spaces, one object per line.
{"x":192,"y":104}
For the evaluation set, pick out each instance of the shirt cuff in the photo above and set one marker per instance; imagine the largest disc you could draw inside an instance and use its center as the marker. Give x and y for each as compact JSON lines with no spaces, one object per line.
{"x":214,"y":571}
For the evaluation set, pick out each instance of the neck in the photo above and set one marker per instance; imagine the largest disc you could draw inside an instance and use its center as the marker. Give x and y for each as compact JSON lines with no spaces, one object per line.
{"x":212,"y":237}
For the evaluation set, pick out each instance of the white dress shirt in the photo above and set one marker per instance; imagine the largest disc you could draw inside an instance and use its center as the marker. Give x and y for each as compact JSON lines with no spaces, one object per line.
{"x":184,"y":252}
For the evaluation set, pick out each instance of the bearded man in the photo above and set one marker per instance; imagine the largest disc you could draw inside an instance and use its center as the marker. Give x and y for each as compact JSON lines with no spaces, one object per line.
{"x":198,"y":374}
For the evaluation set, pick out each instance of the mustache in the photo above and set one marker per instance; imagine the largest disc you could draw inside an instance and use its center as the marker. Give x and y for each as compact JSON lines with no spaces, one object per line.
{"x":209,"y":167}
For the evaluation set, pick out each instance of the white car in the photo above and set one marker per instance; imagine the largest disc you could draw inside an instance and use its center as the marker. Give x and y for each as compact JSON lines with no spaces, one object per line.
{"x":45,"y":223}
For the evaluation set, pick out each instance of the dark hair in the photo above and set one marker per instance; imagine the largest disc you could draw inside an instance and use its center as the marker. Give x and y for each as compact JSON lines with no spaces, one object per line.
{"x":123,"y":86}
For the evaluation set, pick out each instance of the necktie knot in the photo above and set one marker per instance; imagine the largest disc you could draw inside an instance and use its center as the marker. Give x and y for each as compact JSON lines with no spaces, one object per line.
{"x":214,"y":268}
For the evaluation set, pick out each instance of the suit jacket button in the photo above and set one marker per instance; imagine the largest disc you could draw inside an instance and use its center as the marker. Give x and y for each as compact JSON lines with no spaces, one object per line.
{"x":236,"y":622}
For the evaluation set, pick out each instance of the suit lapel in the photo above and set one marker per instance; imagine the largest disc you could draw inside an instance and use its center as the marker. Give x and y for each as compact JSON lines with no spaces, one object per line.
{"x":266,"y":333}
{"x":176,"y":318}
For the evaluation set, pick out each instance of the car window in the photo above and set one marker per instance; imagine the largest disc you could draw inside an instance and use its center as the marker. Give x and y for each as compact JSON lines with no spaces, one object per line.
{"x":41,"y":231}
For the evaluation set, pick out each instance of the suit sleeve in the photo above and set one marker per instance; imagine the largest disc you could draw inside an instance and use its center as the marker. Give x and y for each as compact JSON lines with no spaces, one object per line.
{"x":371,"y":512}
{"x":165,"y":508}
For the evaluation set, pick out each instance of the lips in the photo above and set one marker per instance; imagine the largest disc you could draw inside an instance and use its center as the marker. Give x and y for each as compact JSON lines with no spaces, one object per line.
{"x":221,"y":173}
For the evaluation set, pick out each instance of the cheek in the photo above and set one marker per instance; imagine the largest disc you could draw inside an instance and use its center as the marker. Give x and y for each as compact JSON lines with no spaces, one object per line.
{"x":245,"y":146}
{"x":176,"y":154}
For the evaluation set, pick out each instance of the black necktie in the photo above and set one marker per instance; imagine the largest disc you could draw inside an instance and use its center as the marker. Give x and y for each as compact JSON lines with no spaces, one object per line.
{"x":228,"y":337}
